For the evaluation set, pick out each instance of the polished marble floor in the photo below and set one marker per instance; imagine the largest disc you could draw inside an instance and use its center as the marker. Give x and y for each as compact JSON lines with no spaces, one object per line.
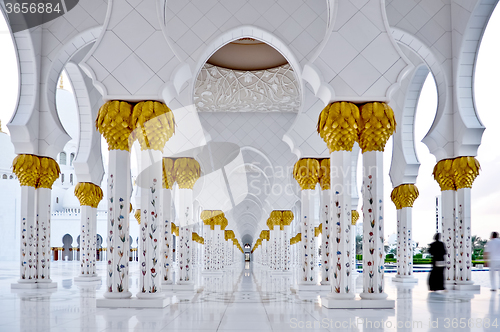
{"x":242,"y":300}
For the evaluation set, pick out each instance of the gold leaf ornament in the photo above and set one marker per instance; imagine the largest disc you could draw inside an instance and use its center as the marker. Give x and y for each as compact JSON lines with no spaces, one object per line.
{"x":153,"y":124}
{"x":27,"y":168}
{"x":114,"y":122}
{"x":187,"y":171}
{"x":376,"y":125}
{"x":465,"y":169}
{"x":168,"y":178}
{"x":88,"y":194}
{"x":137,"y":216}
{"x":354,"y":217}
{"x":338,"y":125}
{"x":444,"y":174}
{"x":404,"y":195}
{"x":324,"y":174}
{"x":49,"y":172}
{"x":306,"y":172}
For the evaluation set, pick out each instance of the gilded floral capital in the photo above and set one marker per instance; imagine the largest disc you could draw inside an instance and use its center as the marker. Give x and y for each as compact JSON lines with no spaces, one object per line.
{"x":306,"y":173}
{"x":114,"y":122}
{"x":88,"y":194}
{"x":404,"y":195}
{"x":338,"y":126}
{"x":376,"y":125}
{"x":153,"y":124}
{"x":187,"y":172}
{"x":168,"y":178}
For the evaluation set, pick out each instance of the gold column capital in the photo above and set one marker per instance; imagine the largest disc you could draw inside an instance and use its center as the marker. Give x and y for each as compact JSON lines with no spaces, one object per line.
{"x":286,"y":219}
{"x":153,"y":124}
{"x":404,"y":195}
{"x":137,"y":216}
{"x":338,"y":125}
{"x":168,"y":178}
{"x":27,"y":168}
{"x":88,"y":194}
{"x":465,"y":169}
{"x":354,"y":217}
{"x":49,"y":172}
{"x":444,"y":174}
{"x":275,"y":219}
{"x":324,"y":173}
{"x":206,"y":217}
{"x":265,"y":235}
{"x":174,"y":229}
{"x":114,"y":122}
{"x":306,"y":173}
{"x":187,"y":172}
{"x":376,"y":125}
{"x":229,"y":235}
{"x":318,"y":230}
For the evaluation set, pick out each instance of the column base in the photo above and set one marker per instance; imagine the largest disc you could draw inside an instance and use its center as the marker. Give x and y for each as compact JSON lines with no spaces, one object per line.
{"x":405,"y":280}
{"x":166,"y":283}
{"x":280,"y":273}
{"x":331,"y":303}
{"x":467,"y":287}
{"x":21,"y":284}
{"x":33,"y":285}
{"x":117,"y":295}
{"x":150,"y":296}
{"x":92,"y":279}
{"x":325,"y":283}
{"x":312,"y":288}
{"x":133,"y":303}
{"x":184,"y":287}
{"x":373,"y":296}
{"x":212,"y":273}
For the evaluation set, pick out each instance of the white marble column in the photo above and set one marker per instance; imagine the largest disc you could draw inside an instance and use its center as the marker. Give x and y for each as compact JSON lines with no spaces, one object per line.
{"x":166,"y":206}
{"x":286,"y":249}
{"x":152,"y":223}
{"x":448,"y":236}
{"x":118,"y":225}
{"x":373,"y":226}
{"x":326,"y":235}
{"x":403,"y":197}
{"x":466,"y":169}
{"x":207,"y":258}
{"x":167,"y":238}
{"x":89,"y":196}
{"x":340,"y":221}
{"x":307,"y":243}
{"x":463,"y":237}
{"x":43,"y":231}
{"x":28,"y":274}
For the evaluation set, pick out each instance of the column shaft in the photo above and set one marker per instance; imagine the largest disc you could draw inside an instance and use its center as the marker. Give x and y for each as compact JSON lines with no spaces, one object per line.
{"x":324,"y":219}
{"x":118,"y":224}
{"x":307,"y":243}
{"x":28,"y":235}
{"x":405,"y":243}
{"x":88,"y":241}
{"x":373,"y":226}
{"x":167,"y":238}
{"x":150,"y":248}
{"x":340,"y":221}
{"x":43,"y":231}
{"x":448,"y":215}
{"x":463,"y":237}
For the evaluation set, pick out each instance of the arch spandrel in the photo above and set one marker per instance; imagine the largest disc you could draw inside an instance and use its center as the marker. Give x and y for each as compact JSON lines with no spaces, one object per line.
{"x":46,"y":49}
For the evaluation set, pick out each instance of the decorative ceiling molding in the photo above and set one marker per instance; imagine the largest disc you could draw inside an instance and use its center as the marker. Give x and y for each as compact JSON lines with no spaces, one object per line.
{"x":220,"y":89}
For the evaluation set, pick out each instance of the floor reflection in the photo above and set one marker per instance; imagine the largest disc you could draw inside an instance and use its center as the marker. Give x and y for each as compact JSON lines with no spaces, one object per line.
{"x":240,"y":298}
